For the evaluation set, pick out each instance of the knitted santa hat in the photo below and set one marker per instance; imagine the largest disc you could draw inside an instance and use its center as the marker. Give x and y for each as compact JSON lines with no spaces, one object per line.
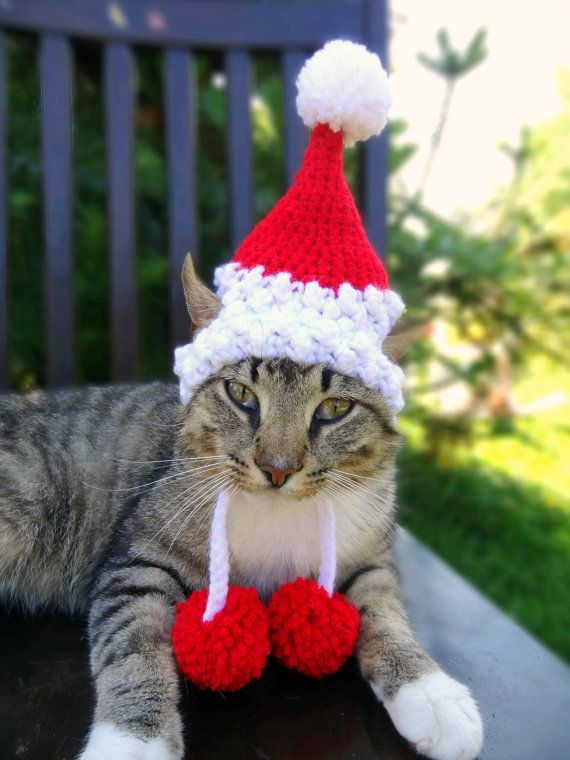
{"x":306,"y":283}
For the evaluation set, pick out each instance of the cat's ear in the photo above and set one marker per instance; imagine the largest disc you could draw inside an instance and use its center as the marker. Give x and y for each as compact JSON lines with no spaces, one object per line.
{"x":401,"y":338}
{"x":203,"y":305}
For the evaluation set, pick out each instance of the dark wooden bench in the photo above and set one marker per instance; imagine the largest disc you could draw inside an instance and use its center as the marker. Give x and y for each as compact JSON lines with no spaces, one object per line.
{"x":522,"y":689}
{"x":45,"y":692}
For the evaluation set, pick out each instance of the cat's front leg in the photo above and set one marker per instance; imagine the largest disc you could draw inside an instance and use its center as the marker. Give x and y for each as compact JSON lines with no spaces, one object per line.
{"x":136,"y":680}
{"x":435,"y":713}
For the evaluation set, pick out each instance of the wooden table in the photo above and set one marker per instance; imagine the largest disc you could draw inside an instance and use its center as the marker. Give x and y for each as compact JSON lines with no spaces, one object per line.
{"x":523,"y":690}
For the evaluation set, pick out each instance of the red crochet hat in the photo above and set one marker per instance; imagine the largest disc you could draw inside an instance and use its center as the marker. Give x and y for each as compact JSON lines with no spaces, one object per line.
{"x":306,"y":283}
{"x":315,"y":232}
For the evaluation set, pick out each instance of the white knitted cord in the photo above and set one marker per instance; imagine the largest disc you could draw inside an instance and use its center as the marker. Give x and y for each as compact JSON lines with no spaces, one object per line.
{"x":219,"y":571}
{"x":271,"y":316}
{"x":219,"y":559}
{"x":327,"y":529}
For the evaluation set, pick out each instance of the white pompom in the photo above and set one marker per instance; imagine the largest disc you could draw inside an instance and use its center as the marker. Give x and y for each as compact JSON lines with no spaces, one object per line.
{"x":344,"y":85}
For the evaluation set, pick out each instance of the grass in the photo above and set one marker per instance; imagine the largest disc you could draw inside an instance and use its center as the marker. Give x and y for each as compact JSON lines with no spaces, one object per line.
{"x":499,"y":512}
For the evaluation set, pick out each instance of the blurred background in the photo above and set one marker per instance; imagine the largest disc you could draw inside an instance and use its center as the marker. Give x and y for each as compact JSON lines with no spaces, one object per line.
{"x":478,"y":245}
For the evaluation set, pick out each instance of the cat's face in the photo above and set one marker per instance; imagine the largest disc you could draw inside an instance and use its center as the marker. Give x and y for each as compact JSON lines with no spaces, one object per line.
{"x":289,"y":429}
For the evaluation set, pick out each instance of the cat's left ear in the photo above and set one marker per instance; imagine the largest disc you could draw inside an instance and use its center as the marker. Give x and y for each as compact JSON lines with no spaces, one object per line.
{"x":203,"y":305}
{"x":401,"y":338}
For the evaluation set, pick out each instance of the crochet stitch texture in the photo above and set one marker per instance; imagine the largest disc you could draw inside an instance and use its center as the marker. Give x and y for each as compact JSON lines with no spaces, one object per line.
{"x":315,"y":232}
{"x":306,"y":283}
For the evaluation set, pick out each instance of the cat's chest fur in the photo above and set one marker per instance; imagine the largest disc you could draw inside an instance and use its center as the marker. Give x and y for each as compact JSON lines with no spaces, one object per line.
{"x":273,"y":540}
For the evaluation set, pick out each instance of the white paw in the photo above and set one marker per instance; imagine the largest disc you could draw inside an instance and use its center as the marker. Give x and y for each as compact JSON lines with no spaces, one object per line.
{"x":438,"y":716}
{"x":107,"y":742}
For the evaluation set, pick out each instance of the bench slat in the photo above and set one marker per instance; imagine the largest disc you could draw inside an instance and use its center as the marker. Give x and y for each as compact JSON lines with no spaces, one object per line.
{"x":375,"y":164}
{"x":119,"y":120}
{"x":3,"y":220}
{"x":239,"y":144}
{"x":56,"y":96}
{"x":296,"y":133}
{"x":207,"y":23}
{"x":181,"y":123}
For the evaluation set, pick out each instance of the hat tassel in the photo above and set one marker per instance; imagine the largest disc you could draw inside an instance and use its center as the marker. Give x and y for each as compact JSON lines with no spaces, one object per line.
{"x":222,"y":635}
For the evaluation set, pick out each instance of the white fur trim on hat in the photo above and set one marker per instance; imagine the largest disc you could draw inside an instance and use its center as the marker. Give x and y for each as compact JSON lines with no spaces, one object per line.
{"x":344,"y":85}
{"x":272,"y":317}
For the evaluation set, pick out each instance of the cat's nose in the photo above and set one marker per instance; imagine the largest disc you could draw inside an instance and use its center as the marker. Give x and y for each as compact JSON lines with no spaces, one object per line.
{"x":276,"y":475}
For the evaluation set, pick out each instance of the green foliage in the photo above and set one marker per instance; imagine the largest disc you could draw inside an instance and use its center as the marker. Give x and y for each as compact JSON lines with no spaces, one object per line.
{"x":24,"y":210}
{"x":537,"y":204}
{"x":400,"y":152}
{"x":451,"y":64}
{"x":500,"y":514}
{"x":505,"y":285}
{"x":493,"y":497}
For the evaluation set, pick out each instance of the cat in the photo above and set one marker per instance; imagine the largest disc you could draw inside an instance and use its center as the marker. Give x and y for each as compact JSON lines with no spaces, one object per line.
{"x":105,"y":505}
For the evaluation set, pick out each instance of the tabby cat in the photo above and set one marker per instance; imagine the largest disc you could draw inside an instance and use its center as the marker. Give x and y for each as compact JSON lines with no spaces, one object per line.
{"x":105,"y":503}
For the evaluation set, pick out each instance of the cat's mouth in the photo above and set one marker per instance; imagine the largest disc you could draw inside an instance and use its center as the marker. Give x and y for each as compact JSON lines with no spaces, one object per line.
{"x":298,"y":487}
{"x":278,"y":478}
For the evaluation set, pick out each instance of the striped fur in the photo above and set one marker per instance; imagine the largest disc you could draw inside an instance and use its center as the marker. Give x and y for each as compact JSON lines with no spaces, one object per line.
{"x":105,"y":507}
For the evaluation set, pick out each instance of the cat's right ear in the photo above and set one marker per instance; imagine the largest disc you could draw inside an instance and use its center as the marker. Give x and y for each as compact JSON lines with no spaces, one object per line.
{"x":203,"y":305}
{"x":402,"y":337}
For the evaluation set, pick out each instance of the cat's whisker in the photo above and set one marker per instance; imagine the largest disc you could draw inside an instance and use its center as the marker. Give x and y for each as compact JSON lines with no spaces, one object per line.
{"x":360,"y":481}
{"x":201,"y":484}
{"x":206,"y":515}
{"x":213,"y":493}
{"x":349,"y":332}
{"x":234,"y":488}
{"x":140,"y":489}
{"x":364,"y":496}
{"x":376,"y":478}
{"x":169,"y":424}
{"x":204,"y":485}
{"x":158,"y":461}
{"x":370,"y":501}
{"x":360,"y":491}
{"x":211,"y":482}
{"x":348,"y":493}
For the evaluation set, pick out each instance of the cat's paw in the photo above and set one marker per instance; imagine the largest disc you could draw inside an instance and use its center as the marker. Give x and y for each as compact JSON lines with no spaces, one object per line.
{"x":438,"y":716}
{"x":107,"y":742}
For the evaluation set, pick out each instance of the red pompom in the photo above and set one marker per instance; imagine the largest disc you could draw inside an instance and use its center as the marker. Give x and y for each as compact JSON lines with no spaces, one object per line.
{"x":311,"y":631}
{"x":228,"y":651}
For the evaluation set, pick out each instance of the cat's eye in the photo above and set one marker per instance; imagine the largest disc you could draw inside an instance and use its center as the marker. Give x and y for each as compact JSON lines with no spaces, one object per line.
{"x":333,"y":409}
{"x":242,"y":395}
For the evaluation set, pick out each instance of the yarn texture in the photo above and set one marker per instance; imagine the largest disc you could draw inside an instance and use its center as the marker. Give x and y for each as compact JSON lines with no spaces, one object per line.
{"x":228,"y":651}
{"x":306,"y":284}
{"x":344,"y":85}
{"x":311,"y":631}
{"x":315,"y":232}
{"x":272,"y":316}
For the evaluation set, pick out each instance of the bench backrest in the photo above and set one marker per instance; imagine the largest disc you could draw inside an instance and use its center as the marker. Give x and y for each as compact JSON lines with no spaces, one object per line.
{"x":178,"y":27}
